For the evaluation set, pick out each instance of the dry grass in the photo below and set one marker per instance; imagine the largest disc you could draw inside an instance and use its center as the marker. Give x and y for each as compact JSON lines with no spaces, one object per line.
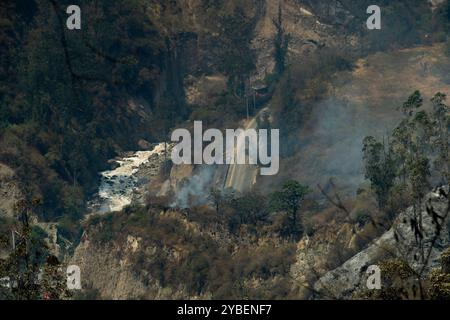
{"x":387,"y":78}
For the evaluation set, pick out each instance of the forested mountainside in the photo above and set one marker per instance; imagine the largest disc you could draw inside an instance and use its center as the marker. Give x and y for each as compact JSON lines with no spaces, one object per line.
{"x":122,"y":77}
{"x":363,"y":122}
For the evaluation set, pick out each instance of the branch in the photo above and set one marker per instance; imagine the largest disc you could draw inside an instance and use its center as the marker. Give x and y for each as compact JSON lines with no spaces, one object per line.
{"x":437,"y":235}
{"x":337,"y":202}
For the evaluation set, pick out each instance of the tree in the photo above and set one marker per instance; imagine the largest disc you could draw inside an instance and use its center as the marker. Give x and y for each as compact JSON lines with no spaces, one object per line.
{"x":281,"y":43}
{"x":288,"y":200}
{"x":414,"y":102}
{"x":29,"y":271}
{"x":251,"y":207}
{"x":441,"y":125}
{"x":407,"y":155}
{"x":380,"y":168}
{"x":220,"y":197}
{"x":419,"y":141}
{"x":236,"y":55}
{"x":412,"y":138}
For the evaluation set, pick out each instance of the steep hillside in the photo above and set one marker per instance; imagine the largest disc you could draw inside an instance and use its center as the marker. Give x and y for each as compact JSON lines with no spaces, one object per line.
{"x":157,"y":254}
{"x":363,"y":123}
{"x":399,"y":243}
{"x":357,"y":103}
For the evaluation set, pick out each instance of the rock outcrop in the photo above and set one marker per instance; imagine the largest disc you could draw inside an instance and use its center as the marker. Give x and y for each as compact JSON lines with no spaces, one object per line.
{"x":420,"y":247}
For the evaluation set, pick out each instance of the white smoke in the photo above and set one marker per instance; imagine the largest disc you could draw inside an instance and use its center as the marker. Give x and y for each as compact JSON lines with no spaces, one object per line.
{"x":330,"y":144}
{"x":195,"y":190}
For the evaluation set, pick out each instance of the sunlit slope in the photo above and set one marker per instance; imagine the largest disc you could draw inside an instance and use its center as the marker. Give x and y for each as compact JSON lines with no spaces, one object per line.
{"x":362,"y":102}
{"x":241,"y":177}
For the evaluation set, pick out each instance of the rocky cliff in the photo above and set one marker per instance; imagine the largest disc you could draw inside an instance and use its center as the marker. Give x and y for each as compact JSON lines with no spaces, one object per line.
{"x":420,"y":249}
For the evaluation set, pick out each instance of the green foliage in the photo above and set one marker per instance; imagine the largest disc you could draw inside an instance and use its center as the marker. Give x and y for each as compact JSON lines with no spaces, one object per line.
{"x":289,"y":200}
{"x":30,"y":271}
{"x":414,"y":102}
{"x":418,"y":151}
{"x":66,"y":110}
{"x":362,"y":217}
{"x":441,"y":141}
{"x":379,"y":167}
{"x":220,"y":198}
{"x":250,"y":208}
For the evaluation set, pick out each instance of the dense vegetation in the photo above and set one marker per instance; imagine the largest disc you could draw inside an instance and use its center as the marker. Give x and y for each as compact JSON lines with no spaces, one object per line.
{"x":73,"y":99}
{"x":193,"y":260}
{"x":29,"y":271}
{"x":65,"y":108}
{"x":417,"y":155}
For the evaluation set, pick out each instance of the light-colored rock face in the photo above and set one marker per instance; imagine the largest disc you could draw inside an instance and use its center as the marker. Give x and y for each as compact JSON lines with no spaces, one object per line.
{"x":179,"y":174}
{"x":313,"y":255}
{"x":111,"y":267}
{"x":110,"y":273}
{"x":399,"y":242}
{"x":9,"y":191}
